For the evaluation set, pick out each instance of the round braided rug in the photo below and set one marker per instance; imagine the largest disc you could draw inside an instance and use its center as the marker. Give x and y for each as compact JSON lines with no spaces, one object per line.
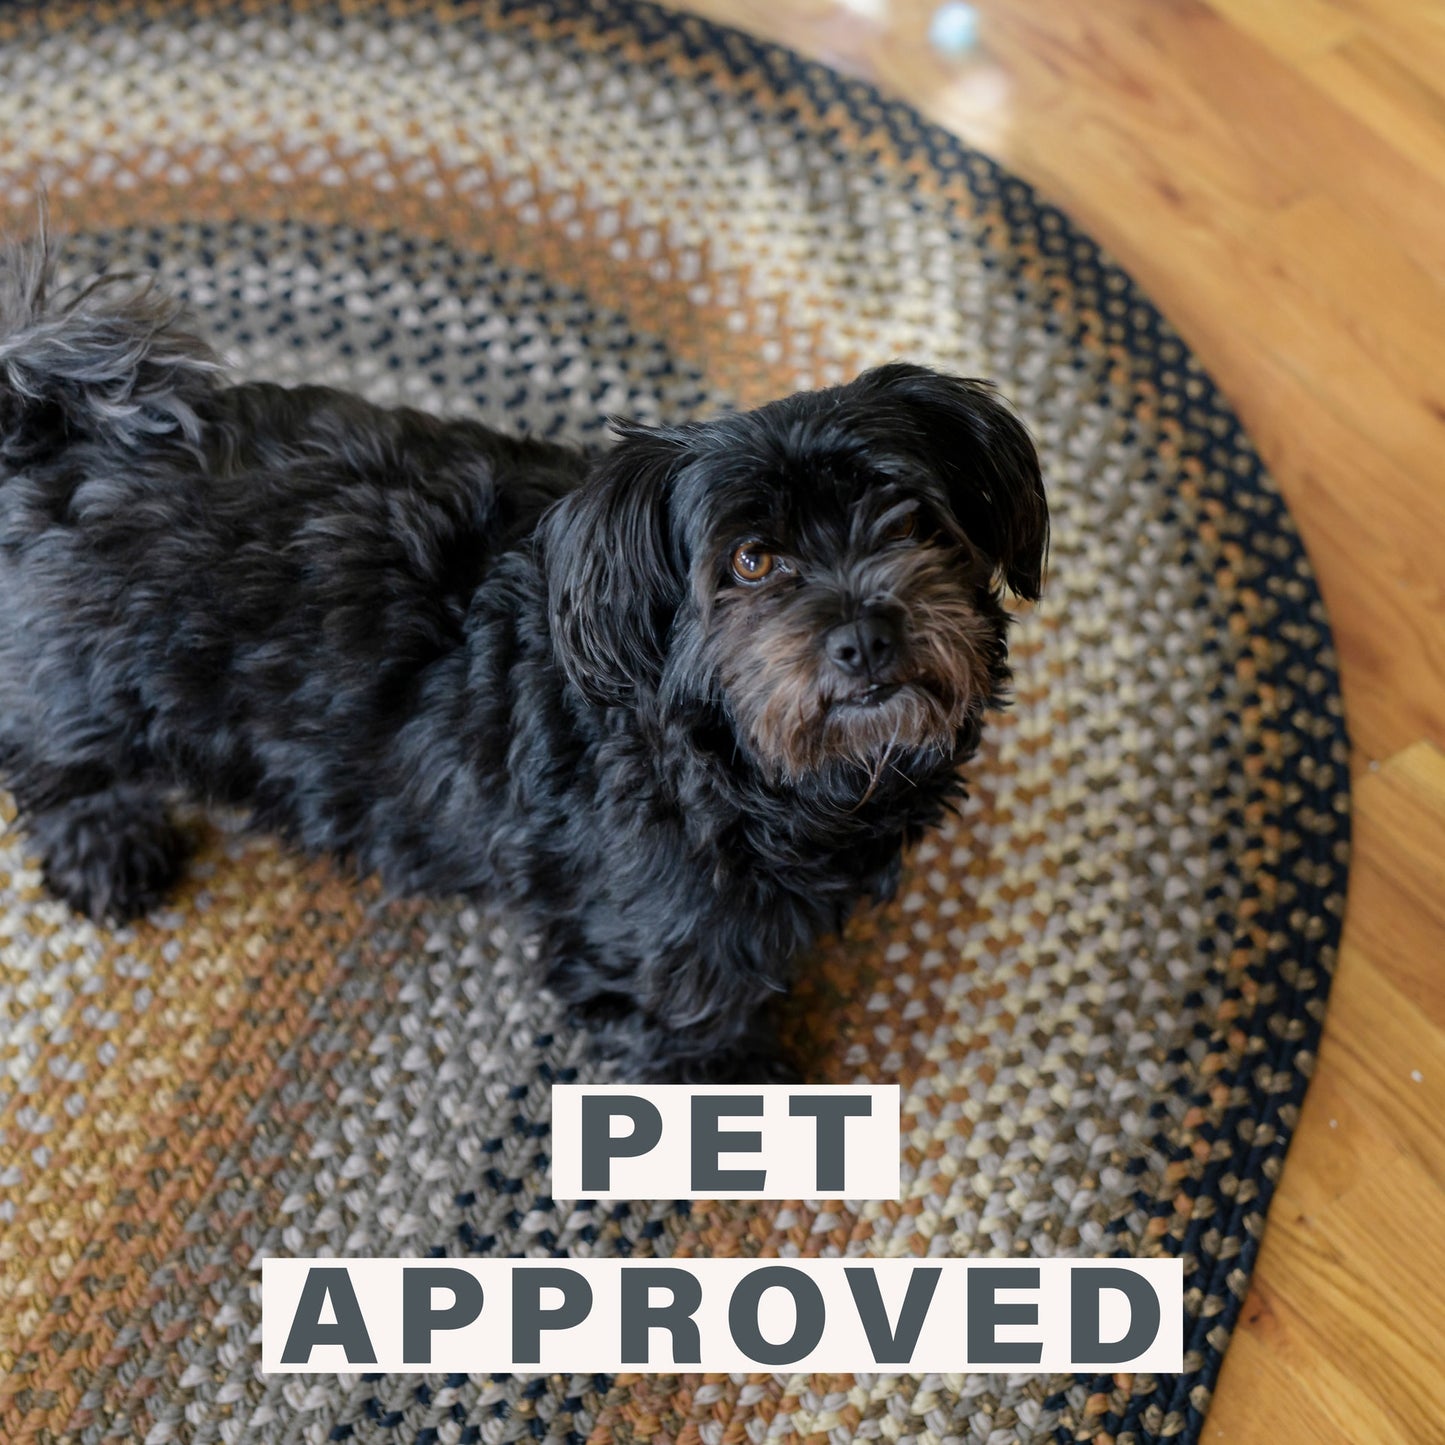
{"x":1101,"y":987}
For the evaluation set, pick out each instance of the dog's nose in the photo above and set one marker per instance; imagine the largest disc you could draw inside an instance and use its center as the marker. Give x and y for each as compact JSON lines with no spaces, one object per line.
{"x":864,"y":646}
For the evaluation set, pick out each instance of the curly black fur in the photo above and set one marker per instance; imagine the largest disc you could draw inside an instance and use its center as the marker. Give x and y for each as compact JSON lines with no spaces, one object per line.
{"x":474,"y":662}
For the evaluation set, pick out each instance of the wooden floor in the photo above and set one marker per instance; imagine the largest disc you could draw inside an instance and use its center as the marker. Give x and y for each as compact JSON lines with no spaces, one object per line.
{"x":1273,"y":172}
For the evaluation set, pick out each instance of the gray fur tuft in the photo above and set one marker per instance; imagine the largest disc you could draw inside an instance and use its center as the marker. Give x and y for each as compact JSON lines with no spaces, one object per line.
{"x":113,"y":360}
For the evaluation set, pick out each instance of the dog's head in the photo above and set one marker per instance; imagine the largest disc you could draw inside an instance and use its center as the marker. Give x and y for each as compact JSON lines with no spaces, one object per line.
{"x":827,"y":569}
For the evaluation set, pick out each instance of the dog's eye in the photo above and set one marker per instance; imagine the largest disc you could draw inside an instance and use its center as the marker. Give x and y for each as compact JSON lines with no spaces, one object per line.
{"x":751,"y":563}
{"x":900,"y":529}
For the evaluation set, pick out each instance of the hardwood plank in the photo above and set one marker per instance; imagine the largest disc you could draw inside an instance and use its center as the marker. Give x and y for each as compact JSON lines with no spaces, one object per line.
{"x":1362,"y":301}
{"x":1397,"y":911}
{"x":1296,"y":31}
{"x":1302,"y":129}
{"x":1393,"y":84}
{"x":1385,"y":15}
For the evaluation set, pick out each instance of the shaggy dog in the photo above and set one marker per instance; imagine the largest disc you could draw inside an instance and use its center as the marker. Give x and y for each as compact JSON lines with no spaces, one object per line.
{"x":679,"y":703}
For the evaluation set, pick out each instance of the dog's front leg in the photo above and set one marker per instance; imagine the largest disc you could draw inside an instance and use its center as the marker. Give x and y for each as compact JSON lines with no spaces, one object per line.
{"x":674,"y":1015}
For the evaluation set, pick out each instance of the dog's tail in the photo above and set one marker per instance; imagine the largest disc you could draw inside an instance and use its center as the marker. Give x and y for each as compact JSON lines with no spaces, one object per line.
{"x":112,"y":361}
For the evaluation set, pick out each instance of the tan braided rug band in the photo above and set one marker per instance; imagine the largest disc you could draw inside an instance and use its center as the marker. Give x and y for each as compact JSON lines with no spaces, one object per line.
{"x":1101,"y":988}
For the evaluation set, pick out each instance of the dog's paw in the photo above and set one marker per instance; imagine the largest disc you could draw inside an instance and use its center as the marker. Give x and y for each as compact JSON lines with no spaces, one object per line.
{"x":112,"y":855}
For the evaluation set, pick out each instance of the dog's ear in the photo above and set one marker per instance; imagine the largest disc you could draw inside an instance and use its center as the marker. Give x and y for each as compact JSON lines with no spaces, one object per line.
{"x":615,"y":571}
{"x":968,"y":437}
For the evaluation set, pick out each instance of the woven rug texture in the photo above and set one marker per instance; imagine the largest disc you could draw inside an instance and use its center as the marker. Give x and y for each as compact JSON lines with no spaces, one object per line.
{"x":1101,"y":987}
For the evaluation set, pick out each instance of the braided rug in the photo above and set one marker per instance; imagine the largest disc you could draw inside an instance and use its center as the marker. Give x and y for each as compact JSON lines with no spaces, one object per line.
{"x":1101,"y":988}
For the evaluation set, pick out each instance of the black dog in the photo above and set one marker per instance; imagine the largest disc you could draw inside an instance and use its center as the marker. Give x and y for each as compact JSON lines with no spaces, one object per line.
{"x":680,"y":703}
